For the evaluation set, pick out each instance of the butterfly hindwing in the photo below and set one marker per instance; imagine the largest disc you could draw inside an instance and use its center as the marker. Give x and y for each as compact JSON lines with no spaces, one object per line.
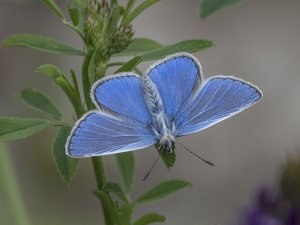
{"x":97,"y":133}
{"x":177,"y":78}
{"x":219,"y":98}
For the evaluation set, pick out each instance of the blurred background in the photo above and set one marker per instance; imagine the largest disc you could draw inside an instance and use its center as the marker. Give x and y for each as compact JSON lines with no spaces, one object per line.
{"x":255,"y":40}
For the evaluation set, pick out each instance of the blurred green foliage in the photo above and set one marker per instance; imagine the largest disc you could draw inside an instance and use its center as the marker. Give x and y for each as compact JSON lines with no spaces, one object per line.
{"x":209,"y":7}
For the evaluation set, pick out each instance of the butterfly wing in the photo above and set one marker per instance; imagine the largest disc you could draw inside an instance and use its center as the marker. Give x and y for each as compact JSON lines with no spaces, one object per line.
{"x":177,"y":79}
{"x":121,"y":94}
{"x":98,"y":134}
{"x":220,"y":98}
{"x":120,"y":125}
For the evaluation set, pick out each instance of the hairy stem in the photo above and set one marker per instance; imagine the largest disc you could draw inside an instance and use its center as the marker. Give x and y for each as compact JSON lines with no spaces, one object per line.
{"x":10,"y":190}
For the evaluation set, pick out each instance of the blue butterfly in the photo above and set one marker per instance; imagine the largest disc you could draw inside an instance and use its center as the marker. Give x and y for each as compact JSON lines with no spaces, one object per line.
{"x":171,"y":100}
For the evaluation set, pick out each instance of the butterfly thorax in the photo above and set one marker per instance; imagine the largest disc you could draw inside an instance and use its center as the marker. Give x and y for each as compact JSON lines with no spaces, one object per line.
{"x":161,"y":126}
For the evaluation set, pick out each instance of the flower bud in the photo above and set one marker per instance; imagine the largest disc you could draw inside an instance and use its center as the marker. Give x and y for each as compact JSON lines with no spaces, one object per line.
{"x":103,"y":29}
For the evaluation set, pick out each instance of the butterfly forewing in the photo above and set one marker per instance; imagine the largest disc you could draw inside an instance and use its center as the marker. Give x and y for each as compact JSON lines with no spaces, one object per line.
{"x":177,"y":78}
{"x":122,"y":94}
{"x":219,"y":98}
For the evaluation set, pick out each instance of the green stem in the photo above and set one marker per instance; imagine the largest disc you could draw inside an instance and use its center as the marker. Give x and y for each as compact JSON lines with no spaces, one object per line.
{"x":99,"y":171}
{"x":10,"y":190}
{"x":100,"y":69}
{"x":97,"y":161}
{"x":111,"y":214}
{"x":101,"y":179}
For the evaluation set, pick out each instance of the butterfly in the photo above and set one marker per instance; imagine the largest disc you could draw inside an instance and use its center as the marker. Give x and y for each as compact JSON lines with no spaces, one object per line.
{"x":171,"y":100}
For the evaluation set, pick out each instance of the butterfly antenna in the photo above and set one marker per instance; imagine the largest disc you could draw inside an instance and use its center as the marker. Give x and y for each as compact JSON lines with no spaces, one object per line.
{"x":206,"y":161}
{"x":156,"y":160}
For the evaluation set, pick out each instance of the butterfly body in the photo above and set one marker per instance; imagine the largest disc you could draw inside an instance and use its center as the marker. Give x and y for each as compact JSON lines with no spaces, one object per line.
{"x":162,"y":127}
{"x":171,"y":100}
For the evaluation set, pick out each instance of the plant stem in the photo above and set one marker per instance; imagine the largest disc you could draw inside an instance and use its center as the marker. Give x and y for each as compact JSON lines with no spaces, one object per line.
{"x":101,"y":179}
{"x":9,"y":187}
{"x":96,"y":161}
{"x":100,"y":69}
{"x":99,"y":171}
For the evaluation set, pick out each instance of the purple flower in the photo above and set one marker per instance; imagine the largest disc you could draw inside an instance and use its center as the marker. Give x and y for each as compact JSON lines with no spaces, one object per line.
{"x":269,"y":208}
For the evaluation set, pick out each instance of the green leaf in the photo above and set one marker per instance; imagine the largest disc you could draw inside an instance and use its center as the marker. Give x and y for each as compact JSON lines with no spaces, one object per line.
{"x":129,"y":5}
{"x":150,"y":218}
{"x":75,"y":83}
{"x":87,"y":74}
{"x":66,"y":165}
{"x":75,"y":16}
{"x":184,"y":46}
{"x":163,"y":190}
{"x":130,"y":65}
{"x":138,"y":10}
{"x":116,"y":189}
{"x":168,"y":158}
{"x":12,"y":128}
{"x":38,"y":101}
{"x":121,"y":10}
{"x":112,"y":24}
{"x":80,"y":5}
{"x":41,"y":43}
{"x":151,"y":50}
{"x":60,"y":79}
{"x":91,"y":68}
{"x":208,"y":7}
{"x":115,"y":64}
{"x":139,"y":46}
{"x":50,"y":70}
{"x":126,"y":168}
{"x":54,"y":7}
{"x":128,"y":8}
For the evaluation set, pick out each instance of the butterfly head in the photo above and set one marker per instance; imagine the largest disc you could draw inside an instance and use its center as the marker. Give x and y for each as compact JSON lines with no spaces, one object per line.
{"x":167,"y":144}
